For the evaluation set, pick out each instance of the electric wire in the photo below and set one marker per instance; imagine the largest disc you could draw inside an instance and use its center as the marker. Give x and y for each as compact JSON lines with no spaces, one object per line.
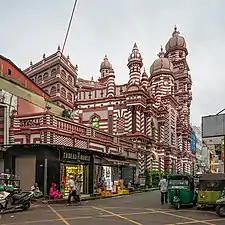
{"x":70,"y":22}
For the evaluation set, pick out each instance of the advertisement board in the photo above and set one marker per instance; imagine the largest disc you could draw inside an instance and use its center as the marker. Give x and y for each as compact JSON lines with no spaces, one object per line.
{"x":213,"y":126}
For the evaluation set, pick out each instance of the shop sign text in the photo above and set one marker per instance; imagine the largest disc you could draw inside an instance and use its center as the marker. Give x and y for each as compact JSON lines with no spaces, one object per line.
{"x":76,"y":156}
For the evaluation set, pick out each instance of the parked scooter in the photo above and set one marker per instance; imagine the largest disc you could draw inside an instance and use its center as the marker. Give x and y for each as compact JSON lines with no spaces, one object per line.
{"x":220,"y":207}
{"x":12,"y":200}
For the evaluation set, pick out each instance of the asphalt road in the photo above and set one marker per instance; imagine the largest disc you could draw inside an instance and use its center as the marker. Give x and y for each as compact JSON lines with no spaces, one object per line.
{"x":136,"y":209}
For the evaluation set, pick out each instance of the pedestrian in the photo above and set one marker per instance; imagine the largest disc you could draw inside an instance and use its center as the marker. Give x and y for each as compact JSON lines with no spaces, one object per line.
{"x":163,"y":185}
{"x":72,"y":189}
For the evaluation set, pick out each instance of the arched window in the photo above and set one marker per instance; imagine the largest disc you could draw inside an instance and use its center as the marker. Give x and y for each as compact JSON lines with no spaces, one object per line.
{"x":45,"y":76}
{"x":63,"y":92}
{"x":70,"y":80}
{"x":95,"y":122}
{"x":70,"y":97}
{"x":53,"y":73}
{"x":53,"y":91}
{"x":63,"y":74}
{"x":39,"y":79}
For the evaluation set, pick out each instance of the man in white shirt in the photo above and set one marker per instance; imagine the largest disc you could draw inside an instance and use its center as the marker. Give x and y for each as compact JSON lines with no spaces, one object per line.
{"x":72,"y":191}
{"x":163,"y":185}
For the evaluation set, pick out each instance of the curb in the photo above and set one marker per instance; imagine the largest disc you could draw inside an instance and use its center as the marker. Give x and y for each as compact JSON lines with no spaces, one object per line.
{"x":63,"y":201}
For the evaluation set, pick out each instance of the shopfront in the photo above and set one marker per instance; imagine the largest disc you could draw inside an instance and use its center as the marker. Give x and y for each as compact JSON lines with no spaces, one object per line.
{"x":109,"y":170}
{"x":77,"y":164}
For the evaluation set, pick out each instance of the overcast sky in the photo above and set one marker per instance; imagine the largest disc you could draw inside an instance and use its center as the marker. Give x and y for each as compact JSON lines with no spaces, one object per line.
{"x":30,"y":28}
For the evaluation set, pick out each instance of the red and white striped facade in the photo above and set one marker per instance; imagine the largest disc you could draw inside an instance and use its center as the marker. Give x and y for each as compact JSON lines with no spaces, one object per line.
{"x":152,"y":111}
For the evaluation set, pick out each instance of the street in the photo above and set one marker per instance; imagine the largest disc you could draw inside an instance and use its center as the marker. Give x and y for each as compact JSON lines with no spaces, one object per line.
{"x":143,"y":208}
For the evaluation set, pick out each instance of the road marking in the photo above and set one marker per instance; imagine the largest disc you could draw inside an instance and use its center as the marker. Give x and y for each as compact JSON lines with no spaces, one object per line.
{"x":117,"y":215}
{"x":182,"y":217}
{"x":196,"y":221}
{"x":59,"y":215}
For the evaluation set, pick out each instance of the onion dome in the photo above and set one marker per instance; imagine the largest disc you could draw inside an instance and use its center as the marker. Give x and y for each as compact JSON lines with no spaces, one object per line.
{"x":105,"y":65}
{"x":161,"y":65}
{"x":135,"y":56}
{"x":176,"y":41}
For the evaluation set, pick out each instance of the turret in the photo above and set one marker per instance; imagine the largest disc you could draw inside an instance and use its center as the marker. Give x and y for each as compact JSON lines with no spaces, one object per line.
{"x":144,"y":80}
{"x":104,"y":69}
{"x":161,"y":79}
{"x":134,"y":64}
{"x":111,"y":83}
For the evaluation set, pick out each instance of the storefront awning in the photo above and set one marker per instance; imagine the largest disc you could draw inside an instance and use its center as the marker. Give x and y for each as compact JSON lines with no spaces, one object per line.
{"x":115,"y":162}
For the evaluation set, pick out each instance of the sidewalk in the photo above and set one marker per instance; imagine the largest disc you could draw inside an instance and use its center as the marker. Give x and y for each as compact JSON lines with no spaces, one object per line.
{"x":89,"y":197}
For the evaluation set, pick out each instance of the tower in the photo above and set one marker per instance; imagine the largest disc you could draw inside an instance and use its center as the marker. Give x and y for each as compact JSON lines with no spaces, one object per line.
{"x":134,"y":64}
{"x":105,"y":68}
{"x":176,"y":52}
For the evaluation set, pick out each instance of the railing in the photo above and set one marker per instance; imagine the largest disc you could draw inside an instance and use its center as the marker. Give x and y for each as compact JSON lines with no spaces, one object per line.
{"x":103,"y":136}
{"x":70,"y":126}
{"x":62,"y":124}
{"x":30,"y":122}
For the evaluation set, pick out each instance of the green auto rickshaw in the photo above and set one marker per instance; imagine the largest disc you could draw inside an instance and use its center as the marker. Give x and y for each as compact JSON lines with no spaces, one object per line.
{"x":211,"y":188}
{"x":181,"y":190}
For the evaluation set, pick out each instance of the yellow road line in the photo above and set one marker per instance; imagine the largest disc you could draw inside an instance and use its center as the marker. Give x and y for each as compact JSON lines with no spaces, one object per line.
{"x":181,"y":217}
{"x":59,"y":215}
{"x":117,"y":215}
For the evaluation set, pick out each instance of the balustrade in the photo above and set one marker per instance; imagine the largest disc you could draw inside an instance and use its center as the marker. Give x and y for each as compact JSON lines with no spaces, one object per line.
{"x":103,"y":136}
{"x":30,"y":122}
{"x":62,"y":124}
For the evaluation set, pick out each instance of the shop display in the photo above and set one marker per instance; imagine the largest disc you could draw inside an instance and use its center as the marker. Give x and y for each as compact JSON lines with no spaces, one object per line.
{"x":108,"y":177}
{"x":74,"y":170}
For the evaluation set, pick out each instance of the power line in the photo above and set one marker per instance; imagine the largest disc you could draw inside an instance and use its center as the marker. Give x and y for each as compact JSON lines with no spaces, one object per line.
{"x":68,"y":29}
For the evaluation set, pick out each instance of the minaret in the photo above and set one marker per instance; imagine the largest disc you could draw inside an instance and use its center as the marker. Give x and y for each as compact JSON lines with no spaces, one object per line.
{"x":134,"y":64}
{"x":144,"y":80}
{"x":111,"y":83}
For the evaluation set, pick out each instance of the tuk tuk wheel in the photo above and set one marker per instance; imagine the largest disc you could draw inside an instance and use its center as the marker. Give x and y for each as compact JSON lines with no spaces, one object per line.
{"x":177,"y":205}
{"x":220,"y":210}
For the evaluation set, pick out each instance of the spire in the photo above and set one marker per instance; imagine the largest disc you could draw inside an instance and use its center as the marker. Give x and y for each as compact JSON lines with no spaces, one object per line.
{"x":58,"y":49}
{"x":68,"y":57}
{"x":43,"y":56}
{"x":31,"y":63}
{"x":161,"y":53}
{"x":175,"y":32}
{"x":135,"y":48}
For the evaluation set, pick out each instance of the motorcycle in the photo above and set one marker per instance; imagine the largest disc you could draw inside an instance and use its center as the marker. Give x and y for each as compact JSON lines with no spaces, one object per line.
{"x":220,"y":207}
{"x":20,"y":200}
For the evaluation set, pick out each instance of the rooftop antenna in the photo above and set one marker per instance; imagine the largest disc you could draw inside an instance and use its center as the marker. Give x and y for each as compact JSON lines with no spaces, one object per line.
{"x":68,"y":29}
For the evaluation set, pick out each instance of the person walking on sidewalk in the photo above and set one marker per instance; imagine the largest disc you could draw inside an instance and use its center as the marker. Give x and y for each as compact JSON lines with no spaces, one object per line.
{"x":163,"y":185}
{"x":72,"y":189}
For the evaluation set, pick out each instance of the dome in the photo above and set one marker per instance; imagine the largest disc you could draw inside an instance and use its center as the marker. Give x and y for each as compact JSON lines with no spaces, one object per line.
{"x":161,"y":65}
{"x":105,"y":64}
{"x":135,"y":56}
{"x":176,"y":41}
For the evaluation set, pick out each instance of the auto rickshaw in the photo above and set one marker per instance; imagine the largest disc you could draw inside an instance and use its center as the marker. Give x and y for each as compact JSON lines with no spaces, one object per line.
{"x":181,"y":190}
{"x":211,"y":189}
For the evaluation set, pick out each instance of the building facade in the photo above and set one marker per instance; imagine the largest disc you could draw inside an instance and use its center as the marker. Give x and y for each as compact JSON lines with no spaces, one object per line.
{"x":193,"y":140}
{"x":152,"y":111}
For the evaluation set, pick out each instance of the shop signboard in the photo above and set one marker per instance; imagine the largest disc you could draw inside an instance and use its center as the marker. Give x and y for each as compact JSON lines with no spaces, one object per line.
{"x":108,"y":177}
{"x":76,"y":156}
